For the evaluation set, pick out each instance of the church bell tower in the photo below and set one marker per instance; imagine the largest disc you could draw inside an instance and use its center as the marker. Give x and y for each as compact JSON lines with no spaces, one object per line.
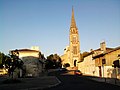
{"x":74,"y":43}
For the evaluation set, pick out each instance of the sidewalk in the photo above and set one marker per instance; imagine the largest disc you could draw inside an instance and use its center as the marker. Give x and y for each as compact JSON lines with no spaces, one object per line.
{"x":31,"y":83}
{"x":106,"y":80}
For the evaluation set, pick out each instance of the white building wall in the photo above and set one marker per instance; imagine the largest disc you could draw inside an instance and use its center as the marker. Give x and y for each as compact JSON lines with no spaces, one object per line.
{"x":26,"y":53}
{"x":96,"y":71}
{"x":87,"y":66}
{"x":81,"y":67}
{"x":111,"y":72}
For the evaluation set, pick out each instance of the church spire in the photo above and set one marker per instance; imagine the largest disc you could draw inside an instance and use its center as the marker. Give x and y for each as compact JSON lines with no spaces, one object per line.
{"x":73,"y":23}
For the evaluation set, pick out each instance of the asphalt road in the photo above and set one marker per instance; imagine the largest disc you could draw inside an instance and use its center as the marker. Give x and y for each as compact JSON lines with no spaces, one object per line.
{"x":73,"y":82}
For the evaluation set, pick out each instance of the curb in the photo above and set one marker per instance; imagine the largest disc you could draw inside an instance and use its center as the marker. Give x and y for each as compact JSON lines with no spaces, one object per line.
{"x":106,"y":81}
{"x":50,"y":86}
{"x":59,"y":82}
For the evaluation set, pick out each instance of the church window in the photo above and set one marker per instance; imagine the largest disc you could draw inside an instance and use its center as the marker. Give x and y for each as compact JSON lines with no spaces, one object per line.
{"x":74,"y":39}
{"x":74,"y":49}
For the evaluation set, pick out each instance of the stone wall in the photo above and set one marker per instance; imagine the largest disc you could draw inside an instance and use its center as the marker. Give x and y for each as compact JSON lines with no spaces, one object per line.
{"x":33,"y":66}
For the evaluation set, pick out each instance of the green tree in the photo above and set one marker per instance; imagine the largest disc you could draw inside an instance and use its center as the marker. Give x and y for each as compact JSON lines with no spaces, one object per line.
{"x":49,"y":64}
{"x":41,"y":56}
{"x":2,"y":56}
{"x":3,"y":59}
{"x":84,"y":54}
{"x":13,"y":62}
{"x":53,"y":61}
{"x":50,"y":57}
{"x":66,"y":65}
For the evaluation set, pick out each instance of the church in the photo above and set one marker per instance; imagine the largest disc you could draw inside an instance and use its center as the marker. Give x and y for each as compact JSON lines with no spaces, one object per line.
{"x":71,"y":54}
{"x":101,"y":62}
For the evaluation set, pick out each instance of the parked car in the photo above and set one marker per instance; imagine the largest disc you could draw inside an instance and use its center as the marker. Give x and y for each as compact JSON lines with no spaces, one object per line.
{"x":3,"y":72}
{"x":77,"y":72}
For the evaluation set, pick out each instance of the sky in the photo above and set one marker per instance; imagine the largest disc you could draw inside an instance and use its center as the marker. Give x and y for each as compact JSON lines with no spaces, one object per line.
{"x":46,"y":23}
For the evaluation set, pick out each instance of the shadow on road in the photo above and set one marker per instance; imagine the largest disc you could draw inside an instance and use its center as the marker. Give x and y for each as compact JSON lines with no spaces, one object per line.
{"x":71,"y":82}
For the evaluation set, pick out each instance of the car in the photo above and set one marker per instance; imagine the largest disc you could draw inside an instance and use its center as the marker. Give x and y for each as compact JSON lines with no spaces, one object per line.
{"x":77,"y":72}
{"x":3,"y":72}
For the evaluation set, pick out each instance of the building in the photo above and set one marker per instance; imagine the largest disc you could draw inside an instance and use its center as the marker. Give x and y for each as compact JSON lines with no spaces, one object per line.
{"x":33,"y":66}
{"x":72,"y":52}
{"x":99,"y":62}
{"x":65,"y":57}
{"x":27,"y":52}
{"x":104,"y":63}
{"x":87,"y":66}
{"x":33,"y":62}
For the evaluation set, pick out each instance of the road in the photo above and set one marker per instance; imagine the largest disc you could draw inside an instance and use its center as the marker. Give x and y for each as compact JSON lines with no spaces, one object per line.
{"x":73,"y":82}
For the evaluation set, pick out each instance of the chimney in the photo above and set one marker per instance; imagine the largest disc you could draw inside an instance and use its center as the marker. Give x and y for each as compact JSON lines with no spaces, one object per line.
{"x":35,"y":48}
{"x":91,"y":50}
{"x":103,"y":46}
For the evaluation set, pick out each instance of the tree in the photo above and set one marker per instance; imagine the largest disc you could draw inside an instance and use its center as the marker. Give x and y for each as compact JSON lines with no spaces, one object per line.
{"x":49,"y":64}
{"x":13,"y":62}
{"x":1,"y":59}
{"x":53,"y":61}
{"x":41,"y":56}
{"x":66,"y":65}
{"x":84,"y":54}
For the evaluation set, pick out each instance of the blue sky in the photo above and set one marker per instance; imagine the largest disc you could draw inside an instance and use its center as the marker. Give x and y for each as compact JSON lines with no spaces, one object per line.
{"x":46,"y":23}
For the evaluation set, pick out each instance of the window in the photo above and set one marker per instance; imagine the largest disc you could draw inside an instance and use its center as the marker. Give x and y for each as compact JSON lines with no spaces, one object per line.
{"x":74,"y":49}
{"x":74,"y":40}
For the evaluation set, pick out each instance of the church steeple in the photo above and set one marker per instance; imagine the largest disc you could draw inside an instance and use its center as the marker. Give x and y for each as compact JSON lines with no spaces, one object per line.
{"x":74,"y":44}
{"x":73,"y":23}
{"x":72,"y":52}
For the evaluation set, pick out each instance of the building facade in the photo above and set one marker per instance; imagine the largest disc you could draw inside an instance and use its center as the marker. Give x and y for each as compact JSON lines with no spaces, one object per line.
{"x":34,"y":51}
{"x":33,"y":63}
{"x":104,"y":63}
{"x":99,"y":62}
{"x":65,"y":57}
{"x":88,"y":65}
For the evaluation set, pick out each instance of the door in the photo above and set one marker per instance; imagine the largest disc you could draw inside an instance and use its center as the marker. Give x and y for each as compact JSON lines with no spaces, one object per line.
{"x":100,"y":72}
{"x":75,"y":63}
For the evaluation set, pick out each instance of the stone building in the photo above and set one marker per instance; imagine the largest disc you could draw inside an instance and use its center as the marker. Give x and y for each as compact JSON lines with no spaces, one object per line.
{"x":87,"y":66}
{"x":65,"y":57}
{"x":104,"y":63}
{"x":99,"y":62}
{"x":33,"y":63}
{"x":33,"y":66}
